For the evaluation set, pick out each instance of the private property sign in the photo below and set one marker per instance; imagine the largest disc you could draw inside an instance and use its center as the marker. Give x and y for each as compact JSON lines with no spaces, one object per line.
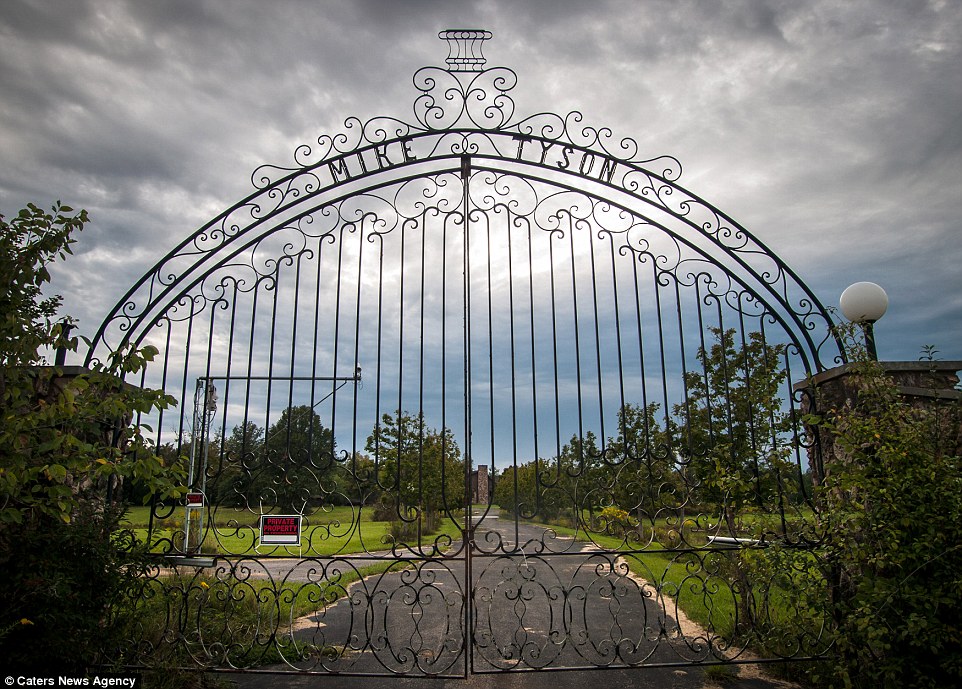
{"x":281,"y":529}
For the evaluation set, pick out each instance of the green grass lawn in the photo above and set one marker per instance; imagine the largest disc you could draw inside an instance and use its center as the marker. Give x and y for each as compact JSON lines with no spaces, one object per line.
{"x":329,"y":531}
{"x":708,"y":585}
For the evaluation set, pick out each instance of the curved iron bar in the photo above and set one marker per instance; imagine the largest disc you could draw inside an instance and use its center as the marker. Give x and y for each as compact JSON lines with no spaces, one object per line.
{"x":372,"y":139}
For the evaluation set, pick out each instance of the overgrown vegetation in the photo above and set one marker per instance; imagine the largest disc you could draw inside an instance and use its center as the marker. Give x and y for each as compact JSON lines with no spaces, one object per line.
{"x":231,"y":616}
{"x":65,"y":441}
{"x":892,"y":529}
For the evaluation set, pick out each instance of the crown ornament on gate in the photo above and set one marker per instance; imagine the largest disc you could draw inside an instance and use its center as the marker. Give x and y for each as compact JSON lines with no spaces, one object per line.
{"x":464,"y":49}
{"x":464,"y":93}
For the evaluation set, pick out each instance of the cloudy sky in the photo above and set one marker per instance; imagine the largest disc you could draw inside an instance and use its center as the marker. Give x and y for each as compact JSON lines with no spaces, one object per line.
{"x":831,"y":129}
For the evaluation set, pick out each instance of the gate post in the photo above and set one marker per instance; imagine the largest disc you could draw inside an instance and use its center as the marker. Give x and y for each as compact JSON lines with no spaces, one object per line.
{"x":205,"y":404}
{"x":922,"y":384}
{"x":872,"y":551}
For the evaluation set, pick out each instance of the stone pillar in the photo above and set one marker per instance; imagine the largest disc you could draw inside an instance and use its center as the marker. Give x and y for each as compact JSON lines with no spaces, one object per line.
{"x":921,"y":384}
{"x":482,"y":493}
{"x":50,"y":383}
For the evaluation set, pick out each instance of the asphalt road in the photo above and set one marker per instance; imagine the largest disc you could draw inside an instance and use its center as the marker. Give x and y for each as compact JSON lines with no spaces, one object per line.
{"x":557,"y":604}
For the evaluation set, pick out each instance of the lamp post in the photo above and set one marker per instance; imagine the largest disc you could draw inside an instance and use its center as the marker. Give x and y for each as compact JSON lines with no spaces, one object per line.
{"x":864,"y":303}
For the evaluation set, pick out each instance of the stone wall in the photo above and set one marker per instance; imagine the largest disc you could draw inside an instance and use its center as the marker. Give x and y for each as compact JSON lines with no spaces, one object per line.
{"x":921,"y":384}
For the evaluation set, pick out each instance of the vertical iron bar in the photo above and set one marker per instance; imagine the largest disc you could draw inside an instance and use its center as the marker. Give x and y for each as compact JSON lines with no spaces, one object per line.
{"x":656,"y":281}
{"x":191,"y":469}
{"x":557,"y":390}
{"x":400,"y":380}
{"x":378,"y":360}
{"x":357,"y":359}
{"x":641,"y":359}
{"x":183,"y":389}
{"x":446,"y":500}
{"x":534,"y":369}
{"x":290,"y":388}
{"x":423,"y":521}
{"x":729,"y":412}
{"x":621,"y":365}
{"x":746,"y":367}
{"x":709,"y":382}
{"x":468,"y":531}
{"x":597,"y":317}
{"x":337,"y":326}
{"x":773,"y":429}
{"x":163,"y":379}
{"x":511,"y":336}
{"x":577,"y":334}
{"x":681,"y":349}
{"x":247,"y":385}
{"x":490,"y":325}
{"x":230,"y":360}
{"x":272,"y":319}
{"x":201,"y":476}
{"x":160,"y":424}
{"x":317,"y":315}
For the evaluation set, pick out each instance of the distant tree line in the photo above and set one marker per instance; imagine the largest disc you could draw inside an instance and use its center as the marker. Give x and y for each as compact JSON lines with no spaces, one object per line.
{"x":726,"y":447}
{"x":408,"y":469}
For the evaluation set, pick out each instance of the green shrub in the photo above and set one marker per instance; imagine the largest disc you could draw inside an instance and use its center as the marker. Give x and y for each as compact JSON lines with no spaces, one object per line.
{"x":65,"y":441}
{"x":892,"y":529}
{"x":385,"y":509}
{"x":60,"y":580}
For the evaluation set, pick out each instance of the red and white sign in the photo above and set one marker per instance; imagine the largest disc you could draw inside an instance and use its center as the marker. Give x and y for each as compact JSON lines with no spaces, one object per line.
{"x":281,"y":529}
{"x":195,"y":499}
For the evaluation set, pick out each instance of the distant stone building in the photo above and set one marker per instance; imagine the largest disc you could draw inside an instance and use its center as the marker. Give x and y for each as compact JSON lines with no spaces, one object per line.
{"x":482,"y":485}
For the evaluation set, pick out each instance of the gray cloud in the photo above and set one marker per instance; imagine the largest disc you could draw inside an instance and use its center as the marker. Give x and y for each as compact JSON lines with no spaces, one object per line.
{"x":830,"y":130}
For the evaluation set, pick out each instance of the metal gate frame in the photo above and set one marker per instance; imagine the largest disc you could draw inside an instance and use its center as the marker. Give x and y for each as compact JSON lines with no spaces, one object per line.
{"x":588,"y":250}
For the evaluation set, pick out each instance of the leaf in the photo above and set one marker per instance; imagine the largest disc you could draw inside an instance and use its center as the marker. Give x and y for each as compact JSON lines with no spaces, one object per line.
{"x":57,"y":472}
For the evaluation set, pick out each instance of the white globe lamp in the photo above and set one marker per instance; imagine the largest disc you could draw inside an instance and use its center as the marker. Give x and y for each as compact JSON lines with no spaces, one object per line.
{"x":864,"y":303}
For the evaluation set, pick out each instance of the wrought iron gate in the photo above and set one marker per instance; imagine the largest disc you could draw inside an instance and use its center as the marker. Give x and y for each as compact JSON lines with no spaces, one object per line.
{"x":528,"y":398}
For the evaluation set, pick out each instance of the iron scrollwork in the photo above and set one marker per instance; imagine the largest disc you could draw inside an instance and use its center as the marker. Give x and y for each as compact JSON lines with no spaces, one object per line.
{"x":529,"y":396}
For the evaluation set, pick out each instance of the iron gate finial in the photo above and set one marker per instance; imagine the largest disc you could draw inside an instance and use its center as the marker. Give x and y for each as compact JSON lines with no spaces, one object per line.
{"x":464,"y":49}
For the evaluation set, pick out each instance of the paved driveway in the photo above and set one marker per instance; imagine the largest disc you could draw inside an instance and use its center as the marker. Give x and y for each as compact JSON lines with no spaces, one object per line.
{"x":538,"y":603}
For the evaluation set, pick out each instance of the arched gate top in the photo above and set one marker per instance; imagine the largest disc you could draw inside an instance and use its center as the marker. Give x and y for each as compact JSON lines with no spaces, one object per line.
{"x":464,"y":118}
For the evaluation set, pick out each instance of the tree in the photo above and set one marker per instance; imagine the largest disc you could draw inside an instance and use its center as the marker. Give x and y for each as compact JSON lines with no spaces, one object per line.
{"x":299,"y":456}
{"x":732,"y":425}
{"x":643,"y":472}
{"x":533,"y":490}
{"x":560,"y":486}
{"x":419,"y":468}
{"x":230,"y":483}
{"x":579,"y":484}
{"x":63,"y":441}
{"x":290,"y":466}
